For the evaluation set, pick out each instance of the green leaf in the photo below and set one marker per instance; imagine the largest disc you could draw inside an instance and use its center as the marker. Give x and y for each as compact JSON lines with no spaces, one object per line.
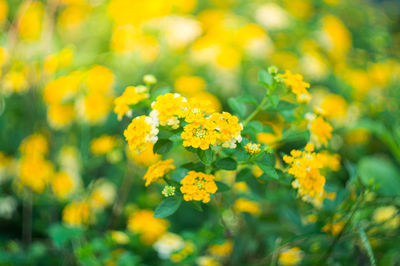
{"x":265,"y":78}
{"x":159,"y":91}
{"x":273,"y":100}
{"x":226,"y":163}
{"x":205,"y":156}
{"x":178,"y":174}
{"x":196,"y":205}
{"x":238,"y":107}
{"x":268,"y":170}
{"x":380,"y":172}
{"x":162,"y":146}
{"x":244,"y":174}
{"x":167,"y":207}
{"x":61,"y":234}
{"x":222,"y":187}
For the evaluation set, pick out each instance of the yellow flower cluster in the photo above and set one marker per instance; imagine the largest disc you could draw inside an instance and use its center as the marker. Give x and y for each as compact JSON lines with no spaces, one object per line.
{"x":102,"y":195}
{"x":298,"y":86}
{"x":221,"y":250}
{"x":158,"y":170}
{"x":305,"y":167}
{"x":217,"y":129}
{"x":62,"y":184}
{"x":290,"y":256}
{"x":321,"y":131}
{"x":168,"y":108}
{"x":245,"y":205}
{"x":34,"y":170}
{"x":131,"y":96}
{"x":198,"y":186}
{"x":141,"y":131}
{"x":252,"y":148}
{"x":103,"y":144}
{"x":150,"y":229}
{"x":77,"y":214}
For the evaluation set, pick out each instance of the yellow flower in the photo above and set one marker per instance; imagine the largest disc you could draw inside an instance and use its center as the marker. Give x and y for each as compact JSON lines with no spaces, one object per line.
{"x":60,"y":115}
{"x":99,"y":79}
{"x":168,"y":244}
{"x":131,"y":96}
{"x":207,"y":261}
{"x":15,"y":81}
{"x":35,"y":144}
{"x":150,"y":229}
{"x":62,"y":185}
{"x":196,"y":109}
{"x":35,"y":172}
{"x":334,"y":106}
{"x":140,"y":132}
{"x":221,"y":250}
{"x":72,"y":17}
{"x":245,"y":205}
{"x":252,"y":148}
{"x":102,"y":195}
{"x":228,"y":128}
{"x":334,"y":228}
{"x":298,"y":86}
{"x":145,"y":158}
{"x":198,"y":186}
{"x":103,"y":144}
{"x":168,"y":108}
{"x":119,"y":237}
{"x":337,"y":37}
{"x":3,"y":11}
{"x":30,"y":16}
{"x":77,"y":213}
{"x":387,"y":216}
{"x":190,"y":85}
{"x":158,"y":170}
{"x":321,"y":131}
{"x":200,"y":134}
{"x":290,"y":256}
{"x":62,"y":89}
{"x":305,"y":167}
{"x":95,"y":107}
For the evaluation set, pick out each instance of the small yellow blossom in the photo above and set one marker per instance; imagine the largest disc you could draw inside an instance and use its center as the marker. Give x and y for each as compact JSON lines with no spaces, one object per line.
{"x":245,"y":205}
{"x":290,"y":256}
{"x":252,"y":148}
{"x":229,"y":129}
{"x":103,"y":194}
{"x":119,"y":237}
{"x":298,"y":86}
{"x":221,"y":250}
{"x":99,"y":79}
{"x":140,"y":132}
{"x":158,"y":170}
{"x":35,"y":144}
{"x":62,"y":89}
{"x":321,"y":131}
{"x":168,"y":108}
{"x":103,"y":144}
{"x":77,"y":214}
{"x":335,"y":227}
{"x":30,"y":15}
{"x":60,"y":115}
{"x":207,"y":261}
{"x":198,"y":186}
{"x":3,"y":11}
{"x":190,"y":85}
{"x":305,"y":167}
{"x":35,"y":172}
{"x":131,"y":96}
{"x":200,"y":134}
{"x":150,"y":229}
{"x":95,"y":107}
{"x":62,"y":185}
{"x":387,"y":216}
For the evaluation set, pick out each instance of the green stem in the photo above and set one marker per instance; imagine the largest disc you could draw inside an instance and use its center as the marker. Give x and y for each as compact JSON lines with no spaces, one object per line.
{"x":256,"y":111}
{"x":337,"y":238}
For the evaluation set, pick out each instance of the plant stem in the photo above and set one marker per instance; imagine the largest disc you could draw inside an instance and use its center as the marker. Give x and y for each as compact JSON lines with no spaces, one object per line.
{"x":337,"y":238}
{"x":27,"y":218}
{"x":256,"y":111}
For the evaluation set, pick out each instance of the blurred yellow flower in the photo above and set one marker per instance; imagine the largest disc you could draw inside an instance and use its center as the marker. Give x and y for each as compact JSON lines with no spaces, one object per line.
{"x":3,"y":10}
{"x":119,"y":237}
{"x":245,"y":205}
{"x":102,"y":195}
{"x":62,"y":185}
{"x":131,"y":96}
{"x":95,"y":107}
{"x":103,"y":144}
{"x":189,"y":85}
{"x":60,"y":115}
{"x":298,"y":86}
{"x":30,"y":15}
{"x":35,"y":172}
{"x":145,"y":158}
{"x":158,"y":170}
{"x":77,"y":213}
{"x":221,"y":250}
{"x":387,"y":216}
{"x":35,"y":144}
{"x":99,"y":79}
{"x":290,"y":256}
{"x":252,"y":148}
{"x":321,"y":131}
{"x":150,"y":229}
